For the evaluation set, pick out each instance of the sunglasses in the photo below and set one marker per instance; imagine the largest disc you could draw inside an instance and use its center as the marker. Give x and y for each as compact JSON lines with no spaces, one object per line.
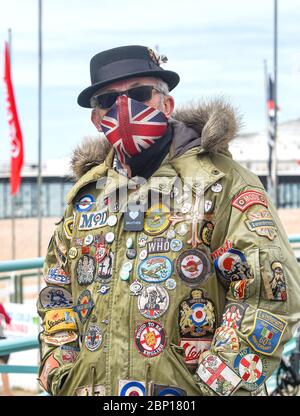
{"x":107,"y":100}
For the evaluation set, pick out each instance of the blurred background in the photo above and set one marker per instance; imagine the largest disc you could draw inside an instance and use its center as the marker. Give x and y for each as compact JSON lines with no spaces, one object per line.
{"x":248,"y":53}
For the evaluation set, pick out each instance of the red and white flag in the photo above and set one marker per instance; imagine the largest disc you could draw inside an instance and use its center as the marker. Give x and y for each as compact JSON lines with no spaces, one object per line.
{"x":16,"y":140}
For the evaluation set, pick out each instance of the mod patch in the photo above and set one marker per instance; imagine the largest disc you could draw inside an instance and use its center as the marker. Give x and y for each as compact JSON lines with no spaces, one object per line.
{"x":158,"y":245}
{"x":85,"y":203}
{"x":150,"y":339}
{"x":132,"y":388}
{"x":93,"y":220}
{"x":193,"y":267}
{"x":232,"y":266}
{"x":267,"y":332}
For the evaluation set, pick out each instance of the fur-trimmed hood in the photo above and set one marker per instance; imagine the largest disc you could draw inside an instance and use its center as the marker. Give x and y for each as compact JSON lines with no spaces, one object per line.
{"x":211,"y":125}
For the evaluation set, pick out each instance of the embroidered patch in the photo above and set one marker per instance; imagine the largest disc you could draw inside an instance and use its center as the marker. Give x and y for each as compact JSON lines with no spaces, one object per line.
{"x":233,"y":315}
{"x":85,"y":203}
{"x":193,"y":348}
{"x":153,"y":301}
{"x":158,"y":245}
{"x":206,"y":233}
{"x":50,"y":364}
{"x":132,"y":388}
{"x":104,"y":274}
{"x":162,"y":390}
{"x":262,"y":223}
{"x":60,"y":338}
{"x":68,"y":353}
{"x":193,"y":267}
{"x":267,"y":332}
{"x":232,"y":266}
{"x":86,"y":270}
{"x":53,"y":297}
{"x":57,"y":320}
{"x":97,"y":390}
{"x":57,"y":276}
{"x":150,"y":339}
{"x":247,"y":198}
{"x":217,"y":375}
{"x":225,"y":339}
{"x":155,"y":269}
{"x":68,"y":227}
{"x":93,"y":338}
{"x":84,"y":305}
{"x":251,"y":367}
{"x":93,"y":220}
{"x":274,"y":283}
{"x":157,"y":219}
{"x":196,"y":315}
{"x":239,"y":289}
{"x":222,"y":250}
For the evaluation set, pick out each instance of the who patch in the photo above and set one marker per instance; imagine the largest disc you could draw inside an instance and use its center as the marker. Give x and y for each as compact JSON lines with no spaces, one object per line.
{"x":267,"y":332}
{"x":132,"y":388}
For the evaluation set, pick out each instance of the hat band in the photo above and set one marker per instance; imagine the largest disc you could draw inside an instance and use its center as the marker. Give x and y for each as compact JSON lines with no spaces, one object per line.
{"x":122,"y":68}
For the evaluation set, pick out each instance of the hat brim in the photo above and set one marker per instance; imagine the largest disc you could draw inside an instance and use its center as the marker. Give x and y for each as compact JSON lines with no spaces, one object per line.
{"x":170,"y":77}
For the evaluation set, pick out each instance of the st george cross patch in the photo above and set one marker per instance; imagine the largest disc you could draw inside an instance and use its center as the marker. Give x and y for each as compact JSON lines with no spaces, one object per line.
{"x":251,"y":367}
{"x":131,"y":126}
{"x":217,"y":375}
{"x":267,"y":332}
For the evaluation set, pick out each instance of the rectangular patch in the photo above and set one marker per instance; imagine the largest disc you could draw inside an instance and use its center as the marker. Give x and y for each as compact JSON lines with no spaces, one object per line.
{"x":99,"y":390}
{"x":193,"y":348}
{"x":274,"y":282}
{"x":218,"y":375}
{"x":92,"y":220}
{"x":247,"y":198}
{"x":59,"y":320}
{"x":266,"y":332}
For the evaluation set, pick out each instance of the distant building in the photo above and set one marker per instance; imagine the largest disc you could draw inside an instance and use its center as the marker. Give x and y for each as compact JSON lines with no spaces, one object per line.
{"x":251,"y":150}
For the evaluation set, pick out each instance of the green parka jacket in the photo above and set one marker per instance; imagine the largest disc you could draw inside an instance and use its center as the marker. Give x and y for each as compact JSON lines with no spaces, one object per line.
{"x":196,"y":296}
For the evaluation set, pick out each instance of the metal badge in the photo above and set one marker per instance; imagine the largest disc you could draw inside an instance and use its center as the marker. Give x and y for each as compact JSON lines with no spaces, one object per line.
{"x":124,"y":275}
{"x":88,"y":239}
{"x":157,"y":219}
{"x":170,"y":284}
{"x":171,"y":234}
{"x":104,"y":274}
{"x":155,"y":269}
{"x":134,"y":220}
{"x":182,"y":229}
{"x":103,"y":289}
{"x":84,"y":305}
{"x":53,"y":297}
{"x":73,"y":253}
{"x":251,"y":367}
{"x":109,"y":237}
{"x":101,"y":252}
{"x":216,"y":187}
{"x":85,"y":203}
{"x":176,"y":245}
{"x":196,"y":316}
{"x":142,"y":240}
{"x":93,"y":338}
{"x":193,"y":267}
{"x":112,"y":220}
{"x":143,"y":254}
{"x":85,"y":270}
{"x":153,"y":301}
{"x":129,"y":242}
{"x":208,"y":206}
{"x":150,"y":339}
{"x":135,"y":288}
{"x":131,"y":253}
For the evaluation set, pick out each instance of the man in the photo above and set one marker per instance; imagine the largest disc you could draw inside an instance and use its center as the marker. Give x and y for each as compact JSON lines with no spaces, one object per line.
{"x":161,"y":197}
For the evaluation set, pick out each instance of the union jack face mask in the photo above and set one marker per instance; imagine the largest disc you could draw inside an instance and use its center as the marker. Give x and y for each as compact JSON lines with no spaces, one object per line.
{"x":131,"y":126}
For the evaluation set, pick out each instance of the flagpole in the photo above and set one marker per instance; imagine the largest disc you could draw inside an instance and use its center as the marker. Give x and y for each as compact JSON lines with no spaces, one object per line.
{"x":268,"y":176}
{"x":13,"y":197}
{"x":274,"y":165}
{"x":39,"y":178}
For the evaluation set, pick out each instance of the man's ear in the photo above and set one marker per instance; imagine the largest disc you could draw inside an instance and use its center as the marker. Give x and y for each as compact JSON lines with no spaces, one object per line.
{"x":95,"y":118}
{"x":169,"y":105}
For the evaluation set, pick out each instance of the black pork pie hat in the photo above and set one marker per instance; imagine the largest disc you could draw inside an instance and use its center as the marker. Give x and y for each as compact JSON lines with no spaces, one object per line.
{"x":124,"y":62}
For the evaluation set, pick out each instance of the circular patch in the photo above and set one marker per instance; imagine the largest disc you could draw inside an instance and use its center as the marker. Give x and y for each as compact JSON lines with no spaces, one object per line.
{"x":193,"y":267}
{"x":157,"y":219}
{"x":150,"y":339}
{"x":153,"y":301}
{"x":155,"y":269}
{"x":176,"y":245}
{"x":88,"y":239}
{"x":251,"y":368}
{"x":232,"y":266}
{"x":85,"y":270}
{"x":93,"y":338}
{"x":132,"y":388}
{"x":85,"y":203}
{"x":53,"y":297}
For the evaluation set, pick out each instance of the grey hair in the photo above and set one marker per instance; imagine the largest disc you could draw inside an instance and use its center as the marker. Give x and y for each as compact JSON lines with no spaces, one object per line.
{"x":163,"y":86}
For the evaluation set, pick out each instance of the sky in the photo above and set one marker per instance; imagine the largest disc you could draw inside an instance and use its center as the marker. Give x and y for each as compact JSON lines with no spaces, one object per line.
{"x":217,"y":47}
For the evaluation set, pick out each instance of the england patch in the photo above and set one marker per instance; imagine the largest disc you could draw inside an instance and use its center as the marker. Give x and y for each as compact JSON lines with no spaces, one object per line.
{"x":267,"y":332}
{"x":217,"y":375}
{"x":233,"y":314}
{"x":132,"y":388}
{"x":251,"y":367}
{"x":247,"y":198}
{"x":150,"y":339}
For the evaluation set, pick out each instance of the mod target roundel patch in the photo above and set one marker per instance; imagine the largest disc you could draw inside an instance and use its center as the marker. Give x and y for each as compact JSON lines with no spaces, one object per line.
{"x":131,"y":388}
{"x":150,"y":339}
